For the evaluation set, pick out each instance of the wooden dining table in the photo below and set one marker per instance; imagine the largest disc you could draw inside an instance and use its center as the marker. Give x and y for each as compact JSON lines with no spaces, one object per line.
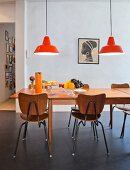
{"x":61,"y":96}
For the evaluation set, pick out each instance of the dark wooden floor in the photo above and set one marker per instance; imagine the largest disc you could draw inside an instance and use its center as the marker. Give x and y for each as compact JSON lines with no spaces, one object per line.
{"x":33,"y":153}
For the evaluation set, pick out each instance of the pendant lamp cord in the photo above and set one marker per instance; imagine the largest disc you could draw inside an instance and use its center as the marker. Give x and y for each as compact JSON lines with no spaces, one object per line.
{"x":111,"y":17}
{"x":46,"y":17}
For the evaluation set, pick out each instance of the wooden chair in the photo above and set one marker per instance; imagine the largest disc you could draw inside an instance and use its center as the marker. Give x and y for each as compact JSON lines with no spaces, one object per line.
{"x":90,"y":108}
{"x":34,"y":109}
{"x":86,"y":86}
{"x":124,"y":107}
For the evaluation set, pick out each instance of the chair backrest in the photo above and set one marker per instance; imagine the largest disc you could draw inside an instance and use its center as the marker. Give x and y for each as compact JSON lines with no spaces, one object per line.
{"x":91,"y":105}
{"x":86,"y":86}
{"x":124,"y":85}
{"x":39,"y":99}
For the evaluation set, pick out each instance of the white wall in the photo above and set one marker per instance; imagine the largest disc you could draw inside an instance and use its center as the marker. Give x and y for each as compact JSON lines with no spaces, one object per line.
{"x":4,"y":91}
{"x":7,"y":12}
{"x":20,"y":46}
{"x":68,"y":21}
{"x":7,"y":15}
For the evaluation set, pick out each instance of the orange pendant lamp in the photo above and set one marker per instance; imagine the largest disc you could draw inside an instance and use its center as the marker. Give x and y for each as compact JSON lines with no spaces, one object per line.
{"x":46,"y":48}
{"x":111,"y":48}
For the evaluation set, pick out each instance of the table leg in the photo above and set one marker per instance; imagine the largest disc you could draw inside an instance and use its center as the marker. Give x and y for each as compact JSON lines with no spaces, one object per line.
{"x":111,"y":117}
{"x":50,"y":126}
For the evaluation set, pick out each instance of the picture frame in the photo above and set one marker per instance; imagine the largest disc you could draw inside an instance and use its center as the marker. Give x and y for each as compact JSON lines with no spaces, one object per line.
{"x":13,"y":44}
{"x":13,"y":40}
{"x":13,"y":68}
{"x":10,"y":40}
{"x":10,"y":69}
{"x":10,"y":59}
{"x":7,"y":47}
{"x":10,"y":48}
{"x":10,"y":85}
{"x":6,"y":35}
{"x":13,"y":58}
{"x":10,"y":77}
{"x":88,"y":50}
{"x":7,"y":74}
{"x":6,"y":83}
{"x":6,"y":67}
{"x":7,"y":59}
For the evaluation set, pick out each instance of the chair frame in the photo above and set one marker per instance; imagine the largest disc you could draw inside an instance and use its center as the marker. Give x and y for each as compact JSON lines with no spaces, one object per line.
{"x":86,"y":86}
{"x":125,"y":85}
{"x":26,"y":125}
{"x":94,"y":124}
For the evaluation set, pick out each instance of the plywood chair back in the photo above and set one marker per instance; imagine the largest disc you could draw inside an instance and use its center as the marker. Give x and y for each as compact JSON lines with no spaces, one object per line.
{"x":124,"y":85}
{"x":85,"y":87}
{"x":91,"y":105}
{"x":26,"y":99}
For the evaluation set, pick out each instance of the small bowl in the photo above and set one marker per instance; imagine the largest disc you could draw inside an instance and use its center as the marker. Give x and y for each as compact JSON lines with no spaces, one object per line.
{"x":80,"y":91}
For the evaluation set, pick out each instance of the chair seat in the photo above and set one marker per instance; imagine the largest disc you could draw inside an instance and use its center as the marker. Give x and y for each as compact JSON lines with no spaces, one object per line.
{"x":81,"y":116}
{"x":34,"y":118}
{"x":124,"y":107}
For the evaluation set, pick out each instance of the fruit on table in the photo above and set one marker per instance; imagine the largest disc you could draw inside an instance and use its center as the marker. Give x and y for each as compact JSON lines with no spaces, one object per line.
{"x":32,"y":78}
{"x":61,"y":85}
{"x":69,"y":85}
{"x":66,"y":85}
{"x":52,"y":83}
{"x":68,"y":81}
{"x":44,"y":81}
{"x":77,"y":83}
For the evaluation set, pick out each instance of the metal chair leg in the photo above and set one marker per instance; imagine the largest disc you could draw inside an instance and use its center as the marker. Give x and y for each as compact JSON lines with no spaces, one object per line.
{"x":92,"y":124}
{"x":95,"y":126}
{"x":104,"y":137}
{"x":74,"y":127}
{"x":69,"y":119}
{"x":123,"y":126}
{"x":45,"y":129}
{"x":17,"y":142}
{"x":25,"y":131}
{"x":75,"y":138}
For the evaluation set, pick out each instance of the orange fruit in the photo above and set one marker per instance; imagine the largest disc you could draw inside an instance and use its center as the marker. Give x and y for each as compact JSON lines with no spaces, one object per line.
{"x":66,"y":85}
{"x":71,"y":86}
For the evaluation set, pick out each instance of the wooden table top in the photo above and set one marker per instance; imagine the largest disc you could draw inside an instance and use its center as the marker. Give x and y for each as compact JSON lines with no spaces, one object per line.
{"x":125,"y":90}
{"x":62,"y":93}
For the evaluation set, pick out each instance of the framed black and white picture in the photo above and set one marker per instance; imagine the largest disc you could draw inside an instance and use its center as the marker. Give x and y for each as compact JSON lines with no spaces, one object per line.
{"x":88,"y":50}
{"x":7,"y":47}
{"x":7,"y":75}
{"x":6,"y":83}
{"x":13,"y":40}
{"x":11,"y":85}
{"x":10,"y":59}
{"x":6,"y":35}
{"x":10,"y":77}
{"x":6,"y":67}
{"x":7,"y":59}
{"x":10,"y":69}
{"x":10,"y":48}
